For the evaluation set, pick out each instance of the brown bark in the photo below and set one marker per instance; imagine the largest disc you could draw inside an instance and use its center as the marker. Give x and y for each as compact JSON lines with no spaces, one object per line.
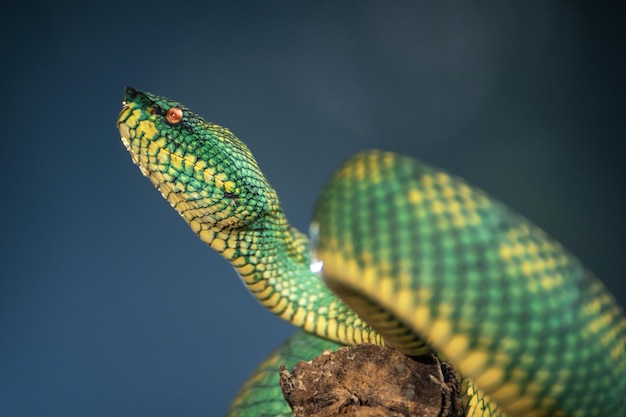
{"x":371,"y":381}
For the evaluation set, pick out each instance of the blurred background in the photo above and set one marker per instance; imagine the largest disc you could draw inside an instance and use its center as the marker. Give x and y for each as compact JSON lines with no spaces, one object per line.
{"x":110,"y":305}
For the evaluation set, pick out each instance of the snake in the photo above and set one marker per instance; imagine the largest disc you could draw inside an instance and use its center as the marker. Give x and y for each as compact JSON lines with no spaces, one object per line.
{"x":401,"y":254}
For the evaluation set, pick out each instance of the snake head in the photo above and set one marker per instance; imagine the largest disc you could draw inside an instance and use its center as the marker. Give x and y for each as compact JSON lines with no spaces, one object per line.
{"x":206,"y":173}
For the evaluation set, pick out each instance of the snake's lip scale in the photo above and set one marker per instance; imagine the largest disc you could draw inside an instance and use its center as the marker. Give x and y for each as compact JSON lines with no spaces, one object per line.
{"x":124,"y":107}
{"x":125,"y":136}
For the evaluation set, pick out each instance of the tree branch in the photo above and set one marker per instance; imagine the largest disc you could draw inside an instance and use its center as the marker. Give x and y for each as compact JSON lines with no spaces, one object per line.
{"x":371,"y":381}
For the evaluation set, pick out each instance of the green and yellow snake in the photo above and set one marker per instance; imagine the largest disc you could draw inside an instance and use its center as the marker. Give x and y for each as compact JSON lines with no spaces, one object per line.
{"x":413,"y":258}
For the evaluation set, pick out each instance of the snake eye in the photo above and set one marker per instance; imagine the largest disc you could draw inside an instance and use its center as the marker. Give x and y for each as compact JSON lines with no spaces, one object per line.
{"x":174,"y":115}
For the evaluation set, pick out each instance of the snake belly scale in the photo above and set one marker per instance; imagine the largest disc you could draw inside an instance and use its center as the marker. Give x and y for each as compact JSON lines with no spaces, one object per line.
{"x":414,"y":258}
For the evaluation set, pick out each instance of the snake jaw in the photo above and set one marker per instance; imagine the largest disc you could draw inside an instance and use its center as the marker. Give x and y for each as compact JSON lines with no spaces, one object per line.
{"x":125,"y":134}
{"x":123,"y":126}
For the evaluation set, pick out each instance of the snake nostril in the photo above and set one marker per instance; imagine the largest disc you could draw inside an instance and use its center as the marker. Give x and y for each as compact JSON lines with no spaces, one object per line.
{"x":131,"y":93}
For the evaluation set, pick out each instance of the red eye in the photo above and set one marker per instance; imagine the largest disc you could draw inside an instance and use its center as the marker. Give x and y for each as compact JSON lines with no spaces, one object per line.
{"x":174,"y":115}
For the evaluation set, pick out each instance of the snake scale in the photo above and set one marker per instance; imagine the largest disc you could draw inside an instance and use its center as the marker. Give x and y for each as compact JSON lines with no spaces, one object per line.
{"x":413,"y":258}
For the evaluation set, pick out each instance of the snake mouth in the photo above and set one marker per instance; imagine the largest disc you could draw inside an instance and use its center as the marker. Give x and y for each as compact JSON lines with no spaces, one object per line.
{"x":124,"y":134}
{"x":125,"y":107}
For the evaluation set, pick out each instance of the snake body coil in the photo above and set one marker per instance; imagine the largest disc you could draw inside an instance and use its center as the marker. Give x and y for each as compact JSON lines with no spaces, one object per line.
{"x":443,"y":266}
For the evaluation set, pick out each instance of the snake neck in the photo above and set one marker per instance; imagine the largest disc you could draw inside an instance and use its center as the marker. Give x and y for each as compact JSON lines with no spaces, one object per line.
{"x":273,"y":260}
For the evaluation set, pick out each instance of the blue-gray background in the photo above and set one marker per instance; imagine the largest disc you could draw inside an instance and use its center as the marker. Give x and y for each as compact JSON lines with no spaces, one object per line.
{"x":110,"y":306}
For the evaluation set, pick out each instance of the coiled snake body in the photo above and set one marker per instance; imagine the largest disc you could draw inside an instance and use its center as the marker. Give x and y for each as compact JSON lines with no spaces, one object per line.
{"x":530,"y":329}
